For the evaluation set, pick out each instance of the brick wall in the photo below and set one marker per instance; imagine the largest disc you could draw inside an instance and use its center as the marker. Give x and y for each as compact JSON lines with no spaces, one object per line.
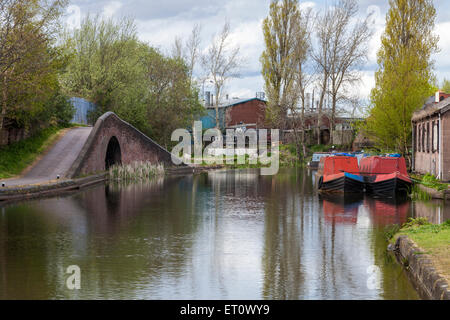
{"x":134,"y":146}
{"x":426,"y":153}
{"x":248,"y":112}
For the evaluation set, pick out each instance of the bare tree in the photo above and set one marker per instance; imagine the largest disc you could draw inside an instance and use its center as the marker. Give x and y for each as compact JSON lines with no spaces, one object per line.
{"x":303,"y":78}
{"x":193,"y":49}
{"x":189,"y":52}
{"x":341,"y":49}
{"x":324,"y":30}
{"x":221,"y":63}
{"x":178,"y":49}
{"x":348,"y":52}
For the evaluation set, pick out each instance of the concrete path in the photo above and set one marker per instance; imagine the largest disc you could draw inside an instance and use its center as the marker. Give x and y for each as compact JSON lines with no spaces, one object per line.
{"x":57,"y":161}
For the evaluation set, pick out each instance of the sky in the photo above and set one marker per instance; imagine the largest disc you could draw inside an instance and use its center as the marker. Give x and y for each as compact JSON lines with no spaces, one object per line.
{"x":159,"y":22}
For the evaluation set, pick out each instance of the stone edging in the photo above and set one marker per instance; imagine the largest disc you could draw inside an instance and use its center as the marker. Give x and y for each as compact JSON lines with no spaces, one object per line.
{"x":191,"y":169}
{"x":420,"y":270}
{"x":56,"y":187}
{"x":435,"y":194}
{"x":49,"y":189}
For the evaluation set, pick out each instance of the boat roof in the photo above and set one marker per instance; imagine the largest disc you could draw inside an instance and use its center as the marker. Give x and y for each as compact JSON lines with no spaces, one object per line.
{"x":338,"y":164}
{"x":383,"y":165}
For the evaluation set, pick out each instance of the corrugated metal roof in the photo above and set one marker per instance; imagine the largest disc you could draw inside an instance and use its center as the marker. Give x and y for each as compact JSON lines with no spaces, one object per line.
{"x":234,"y":102}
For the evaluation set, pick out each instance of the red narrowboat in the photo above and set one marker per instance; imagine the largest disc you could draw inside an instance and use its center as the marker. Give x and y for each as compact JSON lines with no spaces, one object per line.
{"x":385,"y":176}
{"x":339,"y":173}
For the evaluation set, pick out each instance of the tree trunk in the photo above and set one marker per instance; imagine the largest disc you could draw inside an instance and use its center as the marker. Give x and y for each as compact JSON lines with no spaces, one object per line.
{"x":4,"y":103}
{"x":217,"y":108}
{"x":319,"y":113}
{"x":333,"y":118}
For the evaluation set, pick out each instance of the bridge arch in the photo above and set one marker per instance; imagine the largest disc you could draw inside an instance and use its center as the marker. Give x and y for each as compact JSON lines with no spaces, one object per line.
{"x":114,"y":141}
{"x":113,"y":153}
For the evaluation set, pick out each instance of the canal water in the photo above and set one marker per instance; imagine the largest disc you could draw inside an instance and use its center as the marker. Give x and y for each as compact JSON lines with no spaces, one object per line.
{"x":228,"y":234}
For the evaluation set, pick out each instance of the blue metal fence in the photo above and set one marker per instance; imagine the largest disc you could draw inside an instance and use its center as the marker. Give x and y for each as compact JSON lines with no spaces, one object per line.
{"x":82,"y":107}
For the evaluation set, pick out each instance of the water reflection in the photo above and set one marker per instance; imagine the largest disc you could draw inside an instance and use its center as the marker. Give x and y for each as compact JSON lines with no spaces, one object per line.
{"x":221,"y":235}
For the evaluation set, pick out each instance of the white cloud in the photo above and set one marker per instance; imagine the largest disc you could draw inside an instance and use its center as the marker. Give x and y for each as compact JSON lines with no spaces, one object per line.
{"x":111,"y":9}
{"x":307,"y":5}
{"x":73,"y":19}
{"x":160,"y":22}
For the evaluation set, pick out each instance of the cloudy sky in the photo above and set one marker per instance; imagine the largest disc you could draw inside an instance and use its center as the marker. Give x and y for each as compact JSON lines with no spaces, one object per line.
{"x":160,"y":21}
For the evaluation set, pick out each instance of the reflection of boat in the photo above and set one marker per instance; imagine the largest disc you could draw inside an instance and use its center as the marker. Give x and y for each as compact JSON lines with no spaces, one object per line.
{"x":387,"y":211}
{"x":385,"y":176}
{"x":341,"y":209}
{"x":339,"y":173}
{"x":314,"y":163}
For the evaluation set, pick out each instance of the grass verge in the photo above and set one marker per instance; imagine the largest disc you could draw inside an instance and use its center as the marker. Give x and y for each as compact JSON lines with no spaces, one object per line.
{"x":430,"y":181}
{"x":16,"y":157}
{"x":433,"y":239}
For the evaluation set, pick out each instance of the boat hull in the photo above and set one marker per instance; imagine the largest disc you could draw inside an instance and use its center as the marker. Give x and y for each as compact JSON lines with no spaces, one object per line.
{"x":342,"y":183}
{"x":388,"y":185}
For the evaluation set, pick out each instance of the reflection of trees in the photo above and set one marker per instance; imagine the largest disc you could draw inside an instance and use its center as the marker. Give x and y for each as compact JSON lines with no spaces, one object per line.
{"x":283,"y":237}
{"x":122,"y":237}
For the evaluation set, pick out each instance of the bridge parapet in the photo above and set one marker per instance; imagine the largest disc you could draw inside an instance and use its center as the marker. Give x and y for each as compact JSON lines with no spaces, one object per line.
{"x":113,"y":140}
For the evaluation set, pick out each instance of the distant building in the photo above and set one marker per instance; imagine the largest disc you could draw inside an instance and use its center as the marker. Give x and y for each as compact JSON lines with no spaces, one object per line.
{"x":342,"y":135}
{"x":431,"y":137}
{"x":233,"y":113}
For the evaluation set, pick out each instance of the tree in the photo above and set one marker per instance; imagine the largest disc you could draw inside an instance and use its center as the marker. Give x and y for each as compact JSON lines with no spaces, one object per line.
{"x":172,"y":103}
{"x":286,"y":67}
{"x":280,"y":59}
{"x":303,"y":79}
{"x":348,"y":48}
{"x":404,"y":78}
{"x":221,"y":63}
{"x":29,"y":62}
{"x":189,"y":52}
{"x":446,"y":86}
{"x":119,"y":73}
{"x":105,"y":61}
{"x":324,"y":32}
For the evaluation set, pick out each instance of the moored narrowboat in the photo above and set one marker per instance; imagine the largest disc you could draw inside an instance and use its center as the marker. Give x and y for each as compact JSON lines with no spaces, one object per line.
{"x":339,"y":173}
{"x":385,"y":176}
{"x":315,"y":160}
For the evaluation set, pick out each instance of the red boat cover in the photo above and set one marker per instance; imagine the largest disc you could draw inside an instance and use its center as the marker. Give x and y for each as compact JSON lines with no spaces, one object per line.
{"x":382,"y":165}
{"x":338,"y":164}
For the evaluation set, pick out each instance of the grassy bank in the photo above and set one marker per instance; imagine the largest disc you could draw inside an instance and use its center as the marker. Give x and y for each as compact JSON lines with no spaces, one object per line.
{"x":433,"y":239}
{"x":430,"y":181}
{"x":16,"y":157}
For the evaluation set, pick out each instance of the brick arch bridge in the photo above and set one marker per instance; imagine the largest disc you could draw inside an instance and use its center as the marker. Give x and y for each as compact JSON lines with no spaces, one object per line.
{"x":114,"y":141}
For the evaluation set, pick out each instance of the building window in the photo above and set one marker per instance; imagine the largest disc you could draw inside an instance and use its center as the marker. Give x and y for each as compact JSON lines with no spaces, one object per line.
{"x":418,"y":138}
{"x":428,"y":136}
{"x":432,"y":137}
{"x":422,"y":143}
{"x":435,"y":136}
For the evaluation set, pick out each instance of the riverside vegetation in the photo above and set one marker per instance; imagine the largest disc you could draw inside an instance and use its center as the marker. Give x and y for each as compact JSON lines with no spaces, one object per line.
{"x":136,"y":171}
